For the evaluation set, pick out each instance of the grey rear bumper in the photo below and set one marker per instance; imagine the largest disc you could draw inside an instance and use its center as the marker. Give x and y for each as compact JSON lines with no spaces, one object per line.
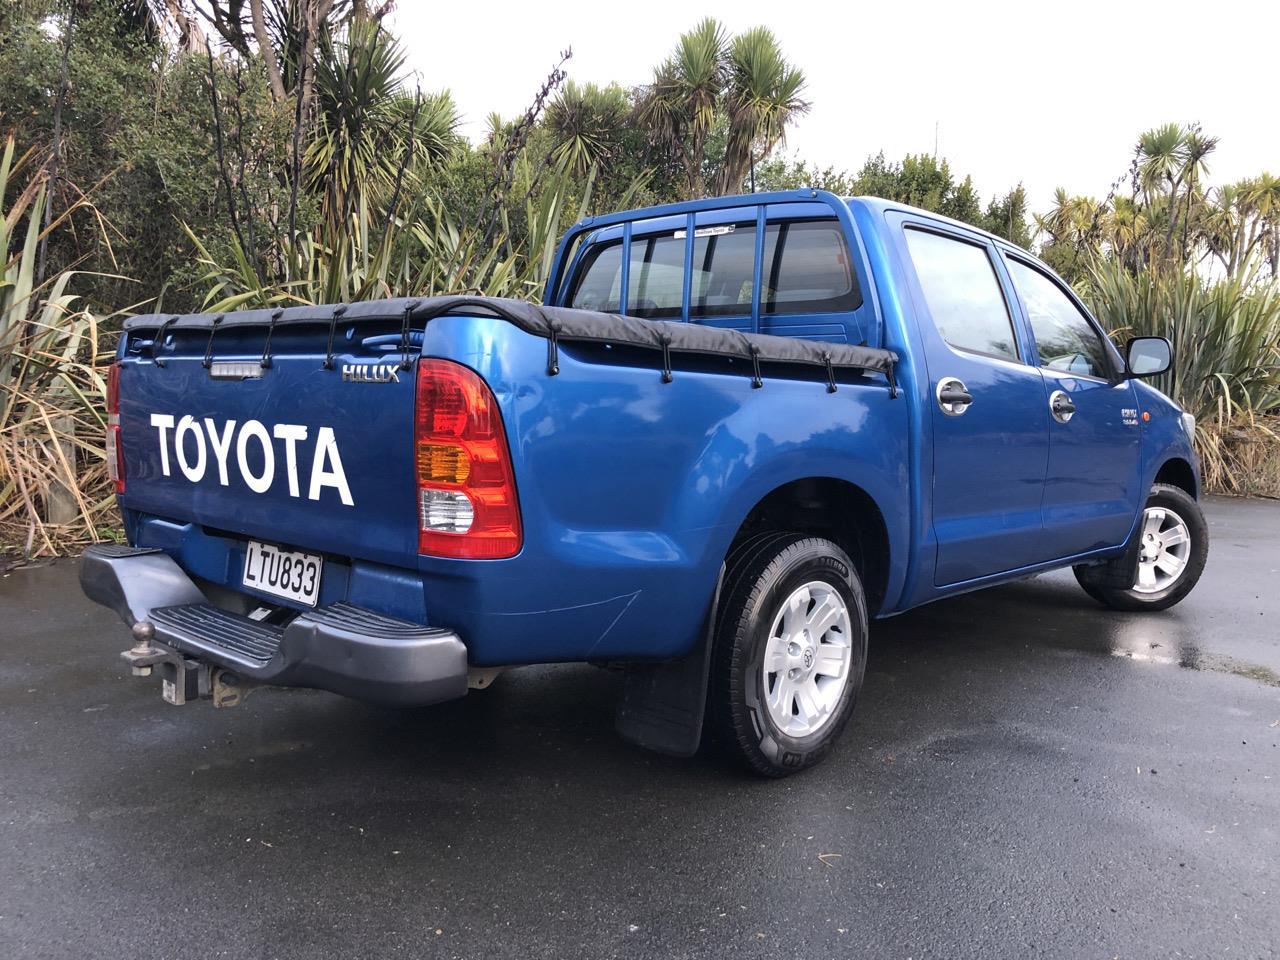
{"x":342,"y":648}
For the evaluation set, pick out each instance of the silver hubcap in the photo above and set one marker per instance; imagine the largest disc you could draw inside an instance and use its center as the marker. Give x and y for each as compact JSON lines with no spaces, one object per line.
{"x":806,"y":659}
{"x":1166,"y":546}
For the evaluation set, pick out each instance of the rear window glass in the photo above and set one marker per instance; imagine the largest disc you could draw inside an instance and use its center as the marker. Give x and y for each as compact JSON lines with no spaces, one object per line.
{"x":806,"y":269}
{"x":655,"y":289}
{"x":724,"y":260}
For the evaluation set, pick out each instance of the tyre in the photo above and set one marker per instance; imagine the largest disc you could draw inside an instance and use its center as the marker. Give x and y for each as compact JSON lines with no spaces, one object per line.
{"x":789,"y":652}
{"x":1173,"y":548}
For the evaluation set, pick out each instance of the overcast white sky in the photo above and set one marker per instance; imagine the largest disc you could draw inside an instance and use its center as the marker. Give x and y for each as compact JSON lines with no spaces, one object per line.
{"x":1052,"y":94}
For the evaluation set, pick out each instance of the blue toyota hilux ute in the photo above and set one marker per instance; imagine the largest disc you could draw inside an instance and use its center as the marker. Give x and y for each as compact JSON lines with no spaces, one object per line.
{"x":736,"y":431}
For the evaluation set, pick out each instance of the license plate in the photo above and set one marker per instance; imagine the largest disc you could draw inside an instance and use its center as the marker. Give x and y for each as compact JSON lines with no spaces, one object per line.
{"x":283,"y":573}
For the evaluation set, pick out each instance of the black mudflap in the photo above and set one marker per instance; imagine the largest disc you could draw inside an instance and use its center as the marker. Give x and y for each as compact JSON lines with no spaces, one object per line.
{"x":662,"y":704}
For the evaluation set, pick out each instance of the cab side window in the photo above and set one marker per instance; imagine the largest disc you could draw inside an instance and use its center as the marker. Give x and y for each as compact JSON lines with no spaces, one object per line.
{"x":963,"y":294}
{"x":1065,"y":339}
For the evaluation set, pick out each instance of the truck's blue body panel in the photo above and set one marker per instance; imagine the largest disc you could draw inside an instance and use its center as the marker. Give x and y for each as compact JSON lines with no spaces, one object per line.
{"x":636,"y":498}
{"x":631,"y":489}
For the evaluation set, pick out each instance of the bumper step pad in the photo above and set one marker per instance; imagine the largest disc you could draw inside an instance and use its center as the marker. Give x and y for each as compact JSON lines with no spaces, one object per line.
{"x":118,"y":551}
{"x":345,"y":616}
{"x":203,"y":625}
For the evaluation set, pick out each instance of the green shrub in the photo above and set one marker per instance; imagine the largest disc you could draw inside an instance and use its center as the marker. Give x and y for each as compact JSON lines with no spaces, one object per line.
{"x":1226,"y":338}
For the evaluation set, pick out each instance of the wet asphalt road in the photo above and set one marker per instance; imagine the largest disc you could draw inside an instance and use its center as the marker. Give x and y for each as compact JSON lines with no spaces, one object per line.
{"x":1027,"y":776}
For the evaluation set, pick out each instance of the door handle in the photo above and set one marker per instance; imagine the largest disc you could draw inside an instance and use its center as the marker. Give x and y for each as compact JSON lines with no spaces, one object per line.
{"x":1061,"y":407}
{"x":953,"y":397}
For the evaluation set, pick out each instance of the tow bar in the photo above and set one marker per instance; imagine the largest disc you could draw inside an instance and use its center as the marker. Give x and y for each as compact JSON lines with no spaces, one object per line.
{"x":183,"y":679}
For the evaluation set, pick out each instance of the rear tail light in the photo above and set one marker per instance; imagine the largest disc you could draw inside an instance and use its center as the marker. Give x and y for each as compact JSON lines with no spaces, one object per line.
{"x":467,"y":506}
{"x":114,"y":449}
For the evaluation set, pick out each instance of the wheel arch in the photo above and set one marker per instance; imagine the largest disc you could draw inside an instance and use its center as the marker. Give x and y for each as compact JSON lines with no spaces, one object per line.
{"x":834,"y":508}
{"x":1178,"y":472}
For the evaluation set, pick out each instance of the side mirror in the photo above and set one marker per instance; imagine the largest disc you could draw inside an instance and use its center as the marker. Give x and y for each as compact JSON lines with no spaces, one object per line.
{"x":1148,"y":356}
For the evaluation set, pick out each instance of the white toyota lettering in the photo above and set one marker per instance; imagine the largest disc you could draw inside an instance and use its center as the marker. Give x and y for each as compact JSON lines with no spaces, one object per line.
{"x":187,"y":425}
{"x":163,"y":422}
{"x":253,"y":429}
{"x":327,"y":449}
{"x":255,"y":453}
{"x":221,"y":446}
{"x":291,"y":433}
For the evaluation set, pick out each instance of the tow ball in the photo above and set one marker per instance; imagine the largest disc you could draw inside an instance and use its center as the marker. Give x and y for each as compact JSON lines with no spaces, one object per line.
{"x":182,"y":678}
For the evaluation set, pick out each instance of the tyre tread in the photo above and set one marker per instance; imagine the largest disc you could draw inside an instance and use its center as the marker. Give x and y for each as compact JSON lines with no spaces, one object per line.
{"x":751,"y":570}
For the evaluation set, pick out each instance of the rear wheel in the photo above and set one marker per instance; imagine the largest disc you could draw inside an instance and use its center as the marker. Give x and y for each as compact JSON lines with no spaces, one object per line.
{"x":790,"y":652}
{"x":1172,"y":549}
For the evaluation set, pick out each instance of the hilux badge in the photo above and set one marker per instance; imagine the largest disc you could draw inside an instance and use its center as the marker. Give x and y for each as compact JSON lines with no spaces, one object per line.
{"x":370,"y":373}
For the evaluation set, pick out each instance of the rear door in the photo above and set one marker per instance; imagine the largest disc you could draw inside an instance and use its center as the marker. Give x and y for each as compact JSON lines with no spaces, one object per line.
{"x":987,"y":405}
{"x":1092,"y":486}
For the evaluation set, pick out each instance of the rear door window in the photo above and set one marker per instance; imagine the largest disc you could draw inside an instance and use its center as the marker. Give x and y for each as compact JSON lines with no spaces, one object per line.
{"x":963,"y":294}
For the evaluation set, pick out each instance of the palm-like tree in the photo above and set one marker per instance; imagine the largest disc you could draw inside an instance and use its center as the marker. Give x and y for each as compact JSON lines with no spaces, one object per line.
{"x":1169,"y":168}
{"x":680,"y":106}
{"x":1071,"y":221}
{"x":1264,"y":199}
{"x":586,"y":125}
{"x":1173,"y":221}
{"x":762,"y":96}
{"x":1241,"y":220}
{"x":1126,"y":228}
{"x":370,"y":131}
{"x":1056,"y":224}
{"x":1161,"y":155}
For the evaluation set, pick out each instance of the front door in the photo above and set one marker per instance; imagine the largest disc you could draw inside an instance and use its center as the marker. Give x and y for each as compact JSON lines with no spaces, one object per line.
{"x":1092,"y":483}
{"x":990,"y":420}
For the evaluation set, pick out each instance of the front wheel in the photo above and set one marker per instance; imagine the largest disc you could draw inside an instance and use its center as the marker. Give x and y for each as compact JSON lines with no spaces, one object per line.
{"x":789,"y":654}
{"x":1173,"y":547}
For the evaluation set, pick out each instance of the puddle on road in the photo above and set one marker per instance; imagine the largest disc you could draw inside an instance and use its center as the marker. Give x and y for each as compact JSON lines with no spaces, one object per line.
{"x":1215,"y":663}
{"x":1148,"y":642}
{"x":1250,"y":671}
{"x":1056,"y":615}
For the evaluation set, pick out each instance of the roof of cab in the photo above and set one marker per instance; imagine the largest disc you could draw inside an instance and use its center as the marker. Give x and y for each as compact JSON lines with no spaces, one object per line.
{"x":591,"y":229}
{"x":880,"y":205}
{"x":811,"y":194}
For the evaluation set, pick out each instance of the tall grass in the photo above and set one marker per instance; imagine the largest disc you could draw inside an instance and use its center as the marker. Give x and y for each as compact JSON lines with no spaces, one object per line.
{"x":53,"y":478}
{"x":419,"y":251}
{"x":1226,"y":338}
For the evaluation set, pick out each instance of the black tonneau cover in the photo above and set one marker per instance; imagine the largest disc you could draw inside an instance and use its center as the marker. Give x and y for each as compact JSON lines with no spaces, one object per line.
{"x":553,"y":324}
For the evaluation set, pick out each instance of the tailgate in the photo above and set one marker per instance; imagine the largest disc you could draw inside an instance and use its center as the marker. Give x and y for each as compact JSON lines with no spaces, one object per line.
{"x":293,"y":453}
